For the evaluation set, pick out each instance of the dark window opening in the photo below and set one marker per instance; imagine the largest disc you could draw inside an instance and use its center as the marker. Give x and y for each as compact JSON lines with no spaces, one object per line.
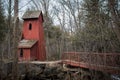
{"x":30,"y":26}
{"x":21,"y":52}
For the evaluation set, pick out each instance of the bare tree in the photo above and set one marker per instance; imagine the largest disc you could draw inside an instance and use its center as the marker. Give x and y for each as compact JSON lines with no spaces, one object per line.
{"x":9,"y":28}
{"x":113,"y":7}
{"x":72,"y":7}
{"x":15,"y":65}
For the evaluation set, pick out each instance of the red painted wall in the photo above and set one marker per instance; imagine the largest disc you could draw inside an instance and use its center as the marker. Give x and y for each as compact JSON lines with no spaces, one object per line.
{"x":41,"y":42}
{"x":37,"y":33}
{"x":26,"y":55}
{"x":30,"y":34}
{"x":34,"y":51}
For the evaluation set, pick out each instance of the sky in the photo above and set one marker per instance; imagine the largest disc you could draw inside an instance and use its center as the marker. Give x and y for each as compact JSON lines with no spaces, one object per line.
{"x":23,"y":5}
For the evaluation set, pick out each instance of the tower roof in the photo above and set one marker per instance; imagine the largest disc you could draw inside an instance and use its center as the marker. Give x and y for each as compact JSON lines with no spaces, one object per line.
{"x":31,"y":14}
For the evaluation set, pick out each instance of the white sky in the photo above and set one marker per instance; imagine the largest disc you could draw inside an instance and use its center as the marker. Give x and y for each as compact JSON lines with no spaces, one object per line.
{"x":23,"y":7}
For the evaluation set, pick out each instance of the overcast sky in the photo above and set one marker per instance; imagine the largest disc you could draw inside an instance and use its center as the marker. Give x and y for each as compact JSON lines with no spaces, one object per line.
{"x":23,"y":5}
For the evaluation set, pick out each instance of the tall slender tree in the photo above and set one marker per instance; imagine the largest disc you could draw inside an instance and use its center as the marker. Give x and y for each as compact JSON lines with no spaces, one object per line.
{"x":2,"y":36}
{"x":15,"y":39}
{"x":2,"y":22}
{"x":113,"y":6}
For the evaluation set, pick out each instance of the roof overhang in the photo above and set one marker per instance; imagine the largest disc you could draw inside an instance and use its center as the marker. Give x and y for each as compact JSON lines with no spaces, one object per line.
{"x":32,"y":15}
{"x":27,"y":43}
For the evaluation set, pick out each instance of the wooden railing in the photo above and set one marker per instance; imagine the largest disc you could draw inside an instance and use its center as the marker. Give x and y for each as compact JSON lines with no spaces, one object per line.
{"x":109,"y":62}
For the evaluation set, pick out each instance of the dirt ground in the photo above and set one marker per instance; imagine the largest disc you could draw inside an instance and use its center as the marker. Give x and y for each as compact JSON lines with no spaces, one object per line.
{"x":57,"y":71}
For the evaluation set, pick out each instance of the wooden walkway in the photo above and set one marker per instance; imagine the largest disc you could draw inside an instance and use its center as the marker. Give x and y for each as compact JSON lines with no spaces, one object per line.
{"x":105,"y":62}
{"x":42,"y":62}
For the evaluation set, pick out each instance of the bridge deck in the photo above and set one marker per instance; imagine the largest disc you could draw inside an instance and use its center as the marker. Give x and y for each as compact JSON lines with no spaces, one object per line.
{"x":107,"y":62}
{"x":42,"y":62}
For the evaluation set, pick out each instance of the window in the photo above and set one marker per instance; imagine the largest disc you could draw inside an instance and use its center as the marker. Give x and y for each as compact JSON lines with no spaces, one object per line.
{"x":30,"y":26}
{"x":21,"y":52}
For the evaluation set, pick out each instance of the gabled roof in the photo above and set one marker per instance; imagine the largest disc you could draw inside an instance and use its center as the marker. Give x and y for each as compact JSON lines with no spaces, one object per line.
{"x":31,"y":14}
{"x":26,"y":43}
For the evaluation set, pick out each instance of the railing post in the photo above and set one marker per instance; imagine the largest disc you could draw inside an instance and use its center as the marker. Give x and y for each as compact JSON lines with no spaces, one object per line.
{"x":105,"y":59}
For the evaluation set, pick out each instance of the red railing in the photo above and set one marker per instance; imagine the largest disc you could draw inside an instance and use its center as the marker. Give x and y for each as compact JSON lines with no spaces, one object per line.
{"x":109,"y":62}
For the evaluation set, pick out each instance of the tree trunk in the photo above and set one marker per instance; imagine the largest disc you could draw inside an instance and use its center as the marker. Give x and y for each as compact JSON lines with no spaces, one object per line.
{"x":114,"y":17}
{"x":15,"y":65}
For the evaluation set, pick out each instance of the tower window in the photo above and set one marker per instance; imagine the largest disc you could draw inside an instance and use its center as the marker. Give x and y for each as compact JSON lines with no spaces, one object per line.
{"x":30,"y":26}
{"x":21,"y":52}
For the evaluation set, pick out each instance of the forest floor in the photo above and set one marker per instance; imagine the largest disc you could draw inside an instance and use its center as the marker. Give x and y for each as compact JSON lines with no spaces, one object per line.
{"x":54,"y":70}
{"x":57,"y":71}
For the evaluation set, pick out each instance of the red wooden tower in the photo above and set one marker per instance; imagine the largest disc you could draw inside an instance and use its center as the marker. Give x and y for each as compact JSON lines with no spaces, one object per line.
{"x":32,"y":45}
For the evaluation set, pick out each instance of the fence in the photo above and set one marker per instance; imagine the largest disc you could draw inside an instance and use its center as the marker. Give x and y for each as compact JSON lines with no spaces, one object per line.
{"x":109,"y":62}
